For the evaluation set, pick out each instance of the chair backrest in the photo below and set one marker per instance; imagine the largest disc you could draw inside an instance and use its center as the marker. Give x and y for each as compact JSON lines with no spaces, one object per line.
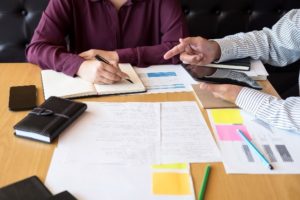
{"x":218,"y":18}
{"x":18,"y":19}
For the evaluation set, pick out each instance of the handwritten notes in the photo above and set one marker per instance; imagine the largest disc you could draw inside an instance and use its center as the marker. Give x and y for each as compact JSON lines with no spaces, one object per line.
{"x":139,"y":133}
{"x":182,"y":124}
{"x":115,"y":133}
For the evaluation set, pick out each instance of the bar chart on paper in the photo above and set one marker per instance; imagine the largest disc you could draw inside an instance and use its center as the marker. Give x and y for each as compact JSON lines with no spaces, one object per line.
{"x":277,"y":146}
{"x":165,"y":78}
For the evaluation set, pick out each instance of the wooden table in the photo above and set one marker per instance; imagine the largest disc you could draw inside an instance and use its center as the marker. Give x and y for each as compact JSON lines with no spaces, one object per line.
{"x":20,"y":158}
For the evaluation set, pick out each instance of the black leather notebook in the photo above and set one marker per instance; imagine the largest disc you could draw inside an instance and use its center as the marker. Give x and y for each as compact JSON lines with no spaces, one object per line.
{"x":46,"y":122}
{"x":63,"y":196}
{"x":28,"y":189}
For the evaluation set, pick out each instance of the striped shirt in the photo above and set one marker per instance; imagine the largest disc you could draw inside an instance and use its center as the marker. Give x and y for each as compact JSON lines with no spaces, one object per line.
{"x":278,"y":46}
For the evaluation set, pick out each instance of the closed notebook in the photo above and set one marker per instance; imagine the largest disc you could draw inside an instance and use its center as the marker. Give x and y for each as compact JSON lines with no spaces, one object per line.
{"x":28,"y":189}
{"x":243,"y":64}
{"x":207,"y":99}
{"x":46,"y":122}
{"x":61,"y":85}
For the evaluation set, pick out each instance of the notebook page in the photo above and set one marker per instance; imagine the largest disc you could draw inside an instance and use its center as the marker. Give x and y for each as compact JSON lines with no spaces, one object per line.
{"x":123,"y":86}
{"x":61,"y":85}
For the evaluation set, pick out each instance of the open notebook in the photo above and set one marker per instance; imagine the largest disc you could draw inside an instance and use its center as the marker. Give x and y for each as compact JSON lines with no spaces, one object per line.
{"x":61,"y":85}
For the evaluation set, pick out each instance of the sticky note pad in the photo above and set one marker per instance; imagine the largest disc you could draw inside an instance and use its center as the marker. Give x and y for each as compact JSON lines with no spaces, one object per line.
{"x":227,"y":116}
{"x":171,"y":166}
{"x":171,"y":183}
{"x":229,"y":132}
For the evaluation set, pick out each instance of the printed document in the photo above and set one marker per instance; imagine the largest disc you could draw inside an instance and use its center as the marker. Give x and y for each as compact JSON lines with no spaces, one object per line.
{"x":281,"y":148}
{"x":165,"y":78}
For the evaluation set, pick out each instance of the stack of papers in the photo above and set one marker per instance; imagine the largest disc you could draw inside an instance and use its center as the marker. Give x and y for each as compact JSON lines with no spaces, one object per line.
{"x":140,"y":133}
{"x":113,"y":145}
{"x":257,"y":71}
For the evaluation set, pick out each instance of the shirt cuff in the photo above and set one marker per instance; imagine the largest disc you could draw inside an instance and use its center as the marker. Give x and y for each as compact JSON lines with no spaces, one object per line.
{"x":251,"y":100}
{"x":72,"y":65}
{"x":127,"y":55}
{"x":228,"y":49}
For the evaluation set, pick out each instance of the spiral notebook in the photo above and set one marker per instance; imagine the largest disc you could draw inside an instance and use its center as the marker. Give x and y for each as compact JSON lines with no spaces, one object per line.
{"x":61,"y":85}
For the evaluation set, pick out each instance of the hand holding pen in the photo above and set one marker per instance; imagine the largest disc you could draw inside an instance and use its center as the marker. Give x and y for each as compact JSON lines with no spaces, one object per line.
{"x":98,"y":72}
{"x":101,"y":59}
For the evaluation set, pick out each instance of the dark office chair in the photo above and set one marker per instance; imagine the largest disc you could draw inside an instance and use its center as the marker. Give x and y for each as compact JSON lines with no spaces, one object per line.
{"x":18,"y":19}
{"x":208,"y":18}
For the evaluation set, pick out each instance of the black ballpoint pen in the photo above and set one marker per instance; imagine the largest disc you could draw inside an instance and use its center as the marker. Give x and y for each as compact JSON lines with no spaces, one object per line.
{"x":101,"y":59}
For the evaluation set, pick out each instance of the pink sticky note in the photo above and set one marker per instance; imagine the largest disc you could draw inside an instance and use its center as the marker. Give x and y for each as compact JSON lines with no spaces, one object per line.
{"x":229,"y":133}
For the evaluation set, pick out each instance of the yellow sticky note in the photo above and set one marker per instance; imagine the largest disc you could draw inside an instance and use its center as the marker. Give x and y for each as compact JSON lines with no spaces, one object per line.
{"x":171,"y":166}
{"x":171,"y":183}
{"x":227,"y":116}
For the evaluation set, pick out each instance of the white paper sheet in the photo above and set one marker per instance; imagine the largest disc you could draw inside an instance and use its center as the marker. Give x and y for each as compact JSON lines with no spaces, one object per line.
{"x":257,"y":71}
{"x":280,"y":147}
{"x":139,"y":133}
{"x":114,"y":133}
{"x":185,"y":135}
{"x":165,"y":78}
{"x":89,"y":181}
{"x":106,"y":153}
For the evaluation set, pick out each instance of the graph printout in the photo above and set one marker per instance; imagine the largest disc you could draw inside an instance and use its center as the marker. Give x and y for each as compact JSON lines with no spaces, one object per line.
{"x":280,"y":147}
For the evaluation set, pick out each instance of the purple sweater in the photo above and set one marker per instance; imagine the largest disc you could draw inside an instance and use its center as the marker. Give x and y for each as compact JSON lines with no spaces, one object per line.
{"x":141,"y":32}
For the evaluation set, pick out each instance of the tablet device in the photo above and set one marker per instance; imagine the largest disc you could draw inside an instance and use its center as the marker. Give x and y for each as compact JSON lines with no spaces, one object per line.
{"x":221,"y":76}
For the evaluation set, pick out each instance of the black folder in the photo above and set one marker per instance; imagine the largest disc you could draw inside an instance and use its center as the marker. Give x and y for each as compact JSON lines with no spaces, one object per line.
{"x":28,"y":189}
{"x":63,"y":196}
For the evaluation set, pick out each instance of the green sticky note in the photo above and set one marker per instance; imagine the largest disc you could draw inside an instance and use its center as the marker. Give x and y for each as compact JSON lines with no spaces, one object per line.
{"x":227,"y":116}
{"x":171,"y":166}
{"x":171,"y":184}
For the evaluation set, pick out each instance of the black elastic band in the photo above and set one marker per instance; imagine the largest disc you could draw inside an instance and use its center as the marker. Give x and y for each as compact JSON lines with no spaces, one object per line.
{"x":46,"y":112}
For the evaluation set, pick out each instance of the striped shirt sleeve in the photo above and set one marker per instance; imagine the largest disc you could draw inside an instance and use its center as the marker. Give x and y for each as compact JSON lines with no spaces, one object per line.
{"x":278,"y":46}
{"x":284,"y":114}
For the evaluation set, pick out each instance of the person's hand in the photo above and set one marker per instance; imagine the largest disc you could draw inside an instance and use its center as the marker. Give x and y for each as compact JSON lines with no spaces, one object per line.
{"x":227,"y":92}
{"x":99,"y":72}
{"x":195,"y":51}
{"x":112,"y":56}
